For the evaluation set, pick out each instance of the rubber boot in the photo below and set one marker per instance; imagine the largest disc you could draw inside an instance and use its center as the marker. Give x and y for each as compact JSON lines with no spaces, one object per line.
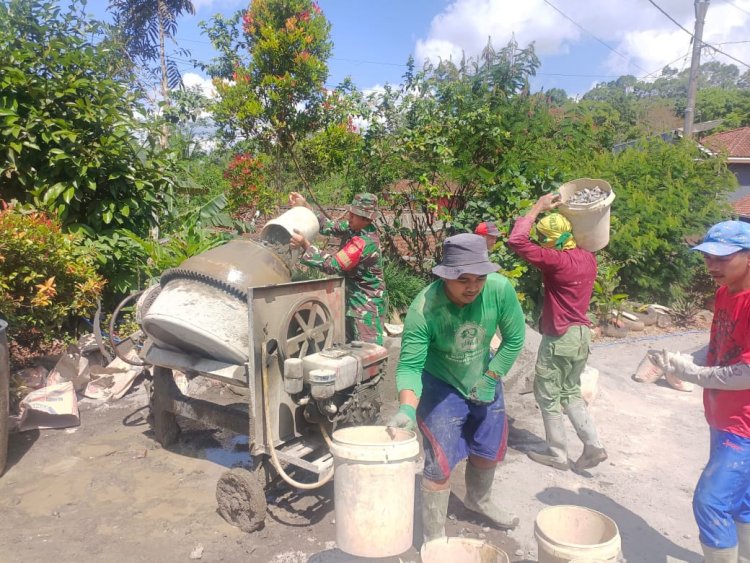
{"x":593,"y":451}
{"x":714,"y":555}
{"x":743,"y":537}
{"x":556,"y":454}
{"x":434,"y":511}
{"x":479,"y":497}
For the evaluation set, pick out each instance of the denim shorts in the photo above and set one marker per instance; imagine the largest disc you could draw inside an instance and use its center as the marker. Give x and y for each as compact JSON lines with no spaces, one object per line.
{"x":454,"y":427}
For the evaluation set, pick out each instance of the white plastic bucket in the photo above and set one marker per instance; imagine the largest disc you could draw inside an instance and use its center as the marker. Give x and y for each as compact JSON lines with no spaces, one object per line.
{"x":281,"y":229}
{"x":566,"y":533}
{"x":374,"y":489}
{"x":590,"y":221}
{"x":463,"y":550}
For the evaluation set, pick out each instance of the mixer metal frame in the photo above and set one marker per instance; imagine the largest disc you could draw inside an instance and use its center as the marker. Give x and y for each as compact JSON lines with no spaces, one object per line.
{"x":314,"y":320}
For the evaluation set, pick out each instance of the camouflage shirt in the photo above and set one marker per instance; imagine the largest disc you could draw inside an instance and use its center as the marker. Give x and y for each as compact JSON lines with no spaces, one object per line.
{"x":359,"y":261}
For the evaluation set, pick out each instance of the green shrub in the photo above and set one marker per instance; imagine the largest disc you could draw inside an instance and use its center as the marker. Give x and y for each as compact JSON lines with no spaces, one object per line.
{"x":46,"y":278}
{"x":402,"y":284}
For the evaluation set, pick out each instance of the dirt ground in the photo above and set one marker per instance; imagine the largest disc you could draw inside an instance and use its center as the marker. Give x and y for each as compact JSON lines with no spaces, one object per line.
{"x":106,"y":491}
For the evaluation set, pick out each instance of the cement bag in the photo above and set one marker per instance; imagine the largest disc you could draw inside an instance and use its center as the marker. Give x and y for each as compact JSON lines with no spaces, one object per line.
{"x":54,"y":406}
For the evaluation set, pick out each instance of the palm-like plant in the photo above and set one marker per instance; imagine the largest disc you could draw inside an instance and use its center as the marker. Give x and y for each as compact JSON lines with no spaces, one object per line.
{"x":145,"y":26}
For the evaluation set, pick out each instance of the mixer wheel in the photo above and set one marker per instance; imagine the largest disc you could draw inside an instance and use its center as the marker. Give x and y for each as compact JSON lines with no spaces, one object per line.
{"x":241,"y":500}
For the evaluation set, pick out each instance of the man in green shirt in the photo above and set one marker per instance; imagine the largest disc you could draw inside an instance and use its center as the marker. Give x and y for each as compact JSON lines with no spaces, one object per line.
{"x":447,"y":382}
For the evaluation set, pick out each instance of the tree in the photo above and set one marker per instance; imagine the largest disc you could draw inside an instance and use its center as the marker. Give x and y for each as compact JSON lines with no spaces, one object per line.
{"x":145,"y":27}
{"x":273,"y":92}
{"x":69,"y":141}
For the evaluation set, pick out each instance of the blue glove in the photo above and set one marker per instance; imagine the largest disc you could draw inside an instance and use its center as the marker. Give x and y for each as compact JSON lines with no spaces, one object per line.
{"x":405,"y":418}
{"x":483,"y":393}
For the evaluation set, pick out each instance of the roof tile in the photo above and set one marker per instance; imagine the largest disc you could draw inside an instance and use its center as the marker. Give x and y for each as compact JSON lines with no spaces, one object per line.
{"x":736,"y":142}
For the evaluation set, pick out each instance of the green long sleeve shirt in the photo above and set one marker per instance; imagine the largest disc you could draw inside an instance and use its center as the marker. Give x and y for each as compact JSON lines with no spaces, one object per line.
{"x":453,"y":343}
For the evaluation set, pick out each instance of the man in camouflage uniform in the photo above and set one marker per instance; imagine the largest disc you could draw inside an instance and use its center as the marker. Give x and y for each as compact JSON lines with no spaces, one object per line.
{"x":359,"y":261}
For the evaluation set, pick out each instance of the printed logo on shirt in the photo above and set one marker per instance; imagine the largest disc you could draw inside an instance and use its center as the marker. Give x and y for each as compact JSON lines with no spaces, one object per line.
{"x":467,"y":344}
{"x":725,"y":327}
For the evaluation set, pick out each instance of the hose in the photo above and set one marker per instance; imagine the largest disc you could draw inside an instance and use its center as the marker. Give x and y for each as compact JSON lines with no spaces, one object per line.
{"x":112,"y":329}
{"x":97,"y":330}
{"x":269,"y":435}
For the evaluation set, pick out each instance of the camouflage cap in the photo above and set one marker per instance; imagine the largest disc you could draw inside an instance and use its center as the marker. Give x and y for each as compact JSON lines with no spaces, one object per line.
{"x":365,"y":205}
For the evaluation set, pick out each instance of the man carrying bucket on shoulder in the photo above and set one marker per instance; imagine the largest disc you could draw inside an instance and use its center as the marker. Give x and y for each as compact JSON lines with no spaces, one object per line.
{"x":721,"y":502}
{"x":447,"y":382}
{"x":568,"y":274}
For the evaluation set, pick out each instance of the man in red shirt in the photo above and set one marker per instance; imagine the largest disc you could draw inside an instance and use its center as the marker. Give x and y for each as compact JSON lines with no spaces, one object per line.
{"x":721,"y":502}
{"x":568,"y":274}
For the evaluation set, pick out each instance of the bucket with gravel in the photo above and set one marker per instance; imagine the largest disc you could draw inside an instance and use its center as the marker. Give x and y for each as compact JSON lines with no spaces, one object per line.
{"x":586,"y":203}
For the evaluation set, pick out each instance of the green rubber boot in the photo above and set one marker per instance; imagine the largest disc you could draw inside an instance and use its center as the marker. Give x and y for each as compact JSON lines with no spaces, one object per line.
{"x":714,"y":555}
{"x":556,"y":454}
{"x":593,"y":451}
{"x":743,"y":536}
{"x":479,"y":497}
{"x":434,"y":511}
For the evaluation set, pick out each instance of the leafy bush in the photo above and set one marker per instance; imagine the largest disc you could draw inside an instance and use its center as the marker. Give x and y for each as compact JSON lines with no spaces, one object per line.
{"x":665,"y":194}
{"x":46,"y":276}
{"x":72,"y":145}
{"x":605,"y":299}
{"x":402,"y":286}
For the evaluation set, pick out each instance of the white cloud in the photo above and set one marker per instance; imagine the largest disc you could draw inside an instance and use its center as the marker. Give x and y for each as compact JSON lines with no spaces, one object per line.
{"x":644,"y":37}
{"x":190,"y":79}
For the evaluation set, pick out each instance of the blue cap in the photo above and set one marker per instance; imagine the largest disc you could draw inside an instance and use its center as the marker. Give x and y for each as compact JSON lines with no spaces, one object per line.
{"x":726,"y":238}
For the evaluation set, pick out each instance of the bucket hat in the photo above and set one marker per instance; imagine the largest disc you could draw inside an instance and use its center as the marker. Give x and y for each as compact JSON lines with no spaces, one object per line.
{"x":464,"y":254}
{"x":365,"y":205}
{"x":726,"y":238}
{"x":487,"y":228}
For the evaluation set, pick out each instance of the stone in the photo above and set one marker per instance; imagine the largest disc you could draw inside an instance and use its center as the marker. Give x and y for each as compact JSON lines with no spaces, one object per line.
{"x":663,"y":320}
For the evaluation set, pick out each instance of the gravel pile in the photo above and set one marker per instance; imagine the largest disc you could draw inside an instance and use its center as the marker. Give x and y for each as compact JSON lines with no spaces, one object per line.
{"x":588,"y":195}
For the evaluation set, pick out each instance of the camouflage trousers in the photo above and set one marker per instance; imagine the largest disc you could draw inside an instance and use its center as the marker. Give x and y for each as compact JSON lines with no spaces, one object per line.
{"x":559,"y":364}
{"x":367,"y":328}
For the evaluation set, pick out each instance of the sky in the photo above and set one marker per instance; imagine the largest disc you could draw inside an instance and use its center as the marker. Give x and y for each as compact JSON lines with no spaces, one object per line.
{"x":580,"y":43}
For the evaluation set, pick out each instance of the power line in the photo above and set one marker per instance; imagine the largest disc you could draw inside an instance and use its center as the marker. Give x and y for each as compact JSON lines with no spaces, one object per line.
{"x":703,"y":43}
{"x":736,"y":6}
{"x":563,"y":14}
{"x":683,"y":57}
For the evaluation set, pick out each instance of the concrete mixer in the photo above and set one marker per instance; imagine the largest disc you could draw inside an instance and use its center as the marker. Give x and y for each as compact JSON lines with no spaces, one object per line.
{"x":233,"y":314}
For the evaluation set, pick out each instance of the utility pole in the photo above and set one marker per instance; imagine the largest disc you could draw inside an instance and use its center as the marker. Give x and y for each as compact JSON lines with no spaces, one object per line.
{"x":701,"y":6}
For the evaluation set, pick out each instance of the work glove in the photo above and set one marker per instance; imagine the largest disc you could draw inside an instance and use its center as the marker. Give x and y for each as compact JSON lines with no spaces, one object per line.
{"x":676,"y":363}
{"x":405,"y":418}
{"x":483,"y":393}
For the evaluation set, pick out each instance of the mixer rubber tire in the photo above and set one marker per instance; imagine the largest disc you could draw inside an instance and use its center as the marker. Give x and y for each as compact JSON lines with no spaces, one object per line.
{"x":241,"y":499}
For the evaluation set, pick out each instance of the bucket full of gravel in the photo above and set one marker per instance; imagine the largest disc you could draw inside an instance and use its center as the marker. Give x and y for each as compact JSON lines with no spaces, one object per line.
{"x":586,"y":203}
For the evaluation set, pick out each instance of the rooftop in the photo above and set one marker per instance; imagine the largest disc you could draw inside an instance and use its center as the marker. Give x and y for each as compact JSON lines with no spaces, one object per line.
{"x":735,"y":142}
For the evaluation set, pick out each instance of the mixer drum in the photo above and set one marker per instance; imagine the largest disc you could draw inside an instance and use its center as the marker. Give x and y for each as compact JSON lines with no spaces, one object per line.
{"x":202,"y":307}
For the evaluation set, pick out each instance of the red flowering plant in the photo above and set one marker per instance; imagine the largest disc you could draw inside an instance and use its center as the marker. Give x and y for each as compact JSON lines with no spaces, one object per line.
{"x":249,"y":184}
{"x":270,"y":85}
{"x":47,"y":278}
